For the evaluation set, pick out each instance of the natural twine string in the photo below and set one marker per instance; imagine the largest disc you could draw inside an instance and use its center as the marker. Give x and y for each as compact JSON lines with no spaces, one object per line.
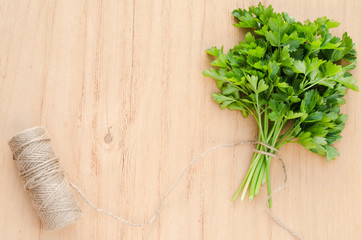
{"x":43,"y":178}
{"x":51,"y":193}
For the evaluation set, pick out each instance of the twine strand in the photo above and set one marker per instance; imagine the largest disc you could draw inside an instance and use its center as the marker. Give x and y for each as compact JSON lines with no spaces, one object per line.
{"x":164,"y":197}
{"x":55,"y":201}
{"x":276,"y":220}
{"x":178,"y":180}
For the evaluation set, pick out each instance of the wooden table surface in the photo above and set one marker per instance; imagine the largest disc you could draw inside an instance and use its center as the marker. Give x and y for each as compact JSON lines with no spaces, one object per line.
{"x":118,"y":85}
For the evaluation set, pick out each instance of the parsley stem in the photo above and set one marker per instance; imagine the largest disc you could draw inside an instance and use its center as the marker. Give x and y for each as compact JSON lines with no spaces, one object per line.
{"x":266,"y":120}
{"x":245,"y":178}
{"x":255,"y":178}
{"x":302,"y":83}
{"x":285,"y":137}
{"x":253,"y":167}
{"x":268,"y":161}
{"x":260,"y":178}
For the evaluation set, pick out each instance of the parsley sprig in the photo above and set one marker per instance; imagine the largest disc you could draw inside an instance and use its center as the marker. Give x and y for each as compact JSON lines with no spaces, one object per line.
{"x":291,"y":77}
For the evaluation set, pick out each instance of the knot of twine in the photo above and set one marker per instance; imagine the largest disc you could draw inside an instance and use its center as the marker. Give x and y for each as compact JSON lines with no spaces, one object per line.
{"x":55,"y":201}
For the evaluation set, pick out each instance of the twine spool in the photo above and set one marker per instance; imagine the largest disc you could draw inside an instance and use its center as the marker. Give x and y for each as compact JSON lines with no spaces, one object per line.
{"x":44,"y":179}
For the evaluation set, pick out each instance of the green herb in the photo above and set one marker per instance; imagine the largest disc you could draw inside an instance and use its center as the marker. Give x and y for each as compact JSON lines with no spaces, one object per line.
{"x":291,"y":77}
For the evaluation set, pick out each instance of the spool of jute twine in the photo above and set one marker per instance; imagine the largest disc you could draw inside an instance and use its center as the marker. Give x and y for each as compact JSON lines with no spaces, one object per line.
{"x":44,"y":179}
{"x":53,"y":197}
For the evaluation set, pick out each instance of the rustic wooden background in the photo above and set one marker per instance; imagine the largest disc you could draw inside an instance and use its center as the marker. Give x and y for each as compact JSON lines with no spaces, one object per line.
{"x":118,"y":85}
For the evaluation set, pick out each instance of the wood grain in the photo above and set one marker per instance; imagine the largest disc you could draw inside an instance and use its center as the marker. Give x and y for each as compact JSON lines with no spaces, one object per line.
{"x":118,"y":85}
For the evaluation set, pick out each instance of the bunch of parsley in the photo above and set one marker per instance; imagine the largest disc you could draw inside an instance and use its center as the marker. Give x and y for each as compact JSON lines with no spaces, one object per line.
{"x":291,"y":77}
